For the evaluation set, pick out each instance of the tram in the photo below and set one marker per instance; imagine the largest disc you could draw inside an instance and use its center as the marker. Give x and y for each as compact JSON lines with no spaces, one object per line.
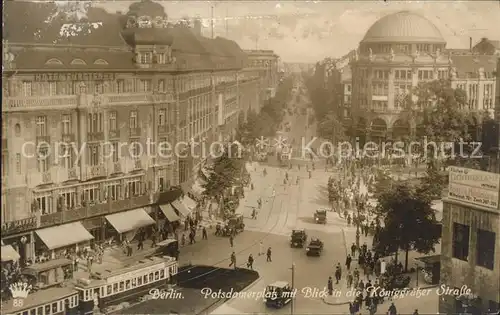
{"x":115,"y":286}
{"x":100,"y":292}
{"x":53,"y":301}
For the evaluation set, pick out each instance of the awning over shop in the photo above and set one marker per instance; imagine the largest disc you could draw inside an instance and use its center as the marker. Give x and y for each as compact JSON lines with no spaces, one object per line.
{"x":169,"y":195}
{"x":179,"y":206}
{"x":169,"y":213}
{"x":129,"y":220}
{"x":64,"y":235}
{"x":9,"y":253}
{"x":189,"y":203}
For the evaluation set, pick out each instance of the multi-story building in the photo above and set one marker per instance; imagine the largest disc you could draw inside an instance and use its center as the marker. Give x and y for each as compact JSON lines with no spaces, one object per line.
{"x":267,"y":63}
{"x":86,"y":106}
{"x":399,"y":51}
{"x":470,"y":242}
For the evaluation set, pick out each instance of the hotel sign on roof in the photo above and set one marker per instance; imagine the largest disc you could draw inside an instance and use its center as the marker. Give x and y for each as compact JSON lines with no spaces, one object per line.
{"x":474,"y":187}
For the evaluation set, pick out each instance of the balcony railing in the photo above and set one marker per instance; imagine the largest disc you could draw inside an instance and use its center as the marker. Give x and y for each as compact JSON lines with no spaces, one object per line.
{"x":137,"y":164}
{"x":68,"y":137}
{"x":95,"y":136}
{"x":114,"y":134}
{"x":95,"y":171}
{"x":135,"y":132}
{"x":47,"y":177}
{"x":117,"y":167}
{"x":162,"y":129}
{"x":93,"y":210}
{"x":22,"y":103}
{"x":72,"y":173}
{"x":41,"y":139}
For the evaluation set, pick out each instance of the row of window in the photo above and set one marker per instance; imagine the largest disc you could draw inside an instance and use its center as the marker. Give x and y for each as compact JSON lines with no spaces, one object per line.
{"x":95,"y":121}
{"x":485,"y":245}
{"x":52,"y":308}
{"x":402,"y":48}
{"x":126,"y":285}
{"x":91,"y":194}
{"x":131,"y":85}
{"x":425,"y":75}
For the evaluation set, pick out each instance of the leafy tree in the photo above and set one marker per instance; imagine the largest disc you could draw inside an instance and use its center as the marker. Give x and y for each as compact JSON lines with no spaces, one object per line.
{"x":331,"y":128}
{"x":433,"y":182}
{"x":223,"y":173}
{"x":409,"y":221}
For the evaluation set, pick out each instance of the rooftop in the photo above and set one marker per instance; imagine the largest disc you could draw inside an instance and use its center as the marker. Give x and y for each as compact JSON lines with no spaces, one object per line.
{"x":101,"y":31}
{"x":405,"y":27}
{"x":470,"y":64}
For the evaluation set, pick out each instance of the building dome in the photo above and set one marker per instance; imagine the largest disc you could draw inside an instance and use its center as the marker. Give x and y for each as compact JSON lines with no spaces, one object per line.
{"x":404,"y":27}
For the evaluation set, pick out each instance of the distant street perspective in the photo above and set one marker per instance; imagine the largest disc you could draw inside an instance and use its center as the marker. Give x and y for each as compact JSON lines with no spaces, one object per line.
{"x":173,"y":157}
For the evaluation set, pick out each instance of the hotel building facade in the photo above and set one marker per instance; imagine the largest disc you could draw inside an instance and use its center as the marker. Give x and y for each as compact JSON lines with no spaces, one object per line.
{"x":86,"y":105}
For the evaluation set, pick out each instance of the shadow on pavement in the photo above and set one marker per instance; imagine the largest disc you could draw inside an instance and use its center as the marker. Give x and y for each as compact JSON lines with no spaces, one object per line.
{"x":199,"y":277}
{"x":190,"y":281}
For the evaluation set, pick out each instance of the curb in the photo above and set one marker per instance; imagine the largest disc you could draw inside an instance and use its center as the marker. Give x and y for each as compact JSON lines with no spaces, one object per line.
{"x":345,"y":303}
{"x":331,"y":303}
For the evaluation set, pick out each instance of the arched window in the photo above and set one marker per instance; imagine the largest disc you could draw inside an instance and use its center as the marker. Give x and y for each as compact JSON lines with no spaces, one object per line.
{"x":100,"y":62}
{"x":78,"y":62}
{"x":54,"y":61}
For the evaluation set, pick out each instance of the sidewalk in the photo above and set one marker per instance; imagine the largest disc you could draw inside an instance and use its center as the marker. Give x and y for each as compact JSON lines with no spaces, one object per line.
{"x":341,"y":294}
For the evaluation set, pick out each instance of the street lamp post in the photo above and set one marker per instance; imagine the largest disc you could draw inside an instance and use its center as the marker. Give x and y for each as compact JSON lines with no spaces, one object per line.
{"x":292,"y":302}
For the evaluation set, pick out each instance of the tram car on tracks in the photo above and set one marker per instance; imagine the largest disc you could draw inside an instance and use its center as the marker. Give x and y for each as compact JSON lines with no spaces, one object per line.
{"x":102,"y":291}
{"x":113,"y":287}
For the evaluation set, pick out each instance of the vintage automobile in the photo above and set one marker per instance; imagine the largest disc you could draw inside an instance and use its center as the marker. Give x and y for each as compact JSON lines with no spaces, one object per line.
{"x":278,"y":294}
{"x":315,"y":247}
{"x":320,"y":216}
{"x":233,"y":225}
{"x":298,"y":238}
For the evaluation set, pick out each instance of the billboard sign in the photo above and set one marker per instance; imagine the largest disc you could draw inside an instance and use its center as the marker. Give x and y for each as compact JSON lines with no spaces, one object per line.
{"x":474,"y":187}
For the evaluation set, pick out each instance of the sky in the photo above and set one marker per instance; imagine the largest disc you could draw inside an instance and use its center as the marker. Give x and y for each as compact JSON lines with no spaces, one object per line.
{"x":308,"y":31}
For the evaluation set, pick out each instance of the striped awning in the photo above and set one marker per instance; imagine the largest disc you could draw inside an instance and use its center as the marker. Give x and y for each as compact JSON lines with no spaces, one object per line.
{"x":169,"y":213}
{"x":129,"y":220}
{"x":179,"y":206}
{"x":9,"y":253}
{"x":63,"y":235}
{"x":189,"y":203}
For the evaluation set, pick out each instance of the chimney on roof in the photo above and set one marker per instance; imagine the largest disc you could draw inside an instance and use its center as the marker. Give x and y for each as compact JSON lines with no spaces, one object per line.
{"x":197,"y":26}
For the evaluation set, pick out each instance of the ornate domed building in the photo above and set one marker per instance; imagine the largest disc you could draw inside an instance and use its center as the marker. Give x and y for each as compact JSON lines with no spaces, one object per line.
{"x":398,"y":51}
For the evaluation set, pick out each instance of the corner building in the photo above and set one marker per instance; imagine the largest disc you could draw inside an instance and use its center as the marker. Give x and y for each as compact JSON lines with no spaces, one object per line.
{"x":397,"y":53}
{"x":82,"y":101}
{"x":470,"y":242}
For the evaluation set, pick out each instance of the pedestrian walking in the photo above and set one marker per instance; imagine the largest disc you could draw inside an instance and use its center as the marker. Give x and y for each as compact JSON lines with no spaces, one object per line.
{"x":75,"y":262}
{"x":348,"y":261}
{"x":231,"y":240}
{"x":129,"y":250}
{"x":233,"y":260}
{"x":349,"y":279}
{"x":250,"y":262}
{"x":261,"y":248}
{"x":204,"y":233}
{"x":338,"y":273}
{"x":392,"y":309}
{"x":352,"y":311}
{"x":330,"y":286}
{"x":353,"y":249}
{"x":140,"y":244}
{"x":269,"y":255}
